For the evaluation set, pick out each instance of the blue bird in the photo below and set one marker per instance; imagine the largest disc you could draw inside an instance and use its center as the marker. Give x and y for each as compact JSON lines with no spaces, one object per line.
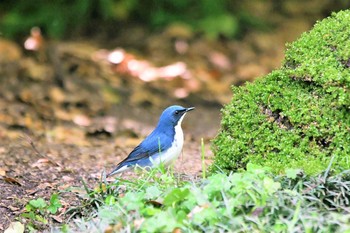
{"x":162,"y":146}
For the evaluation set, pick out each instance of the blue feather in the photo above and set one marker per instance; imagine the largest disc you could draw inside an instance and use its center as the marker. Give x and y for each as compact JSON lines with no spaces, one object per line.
{"x":159,"y":141}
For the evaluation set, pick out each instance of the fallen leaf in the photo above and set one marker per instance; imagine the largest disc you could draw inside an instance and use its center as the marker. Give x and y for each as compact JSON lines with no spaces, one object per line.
{"x":46,"y":185}
{"x":67,"y":178}
{"x":15,"y":227}
{"x":45,"y":162}
{"x":177,"y":230}
{"x":82,"y":120}
{"x":12,"y":208}
{"x":57,"y":95}
{"x":2,"y":150}
{"x":41,"y":163}
{"x":11,"y":180}
{"x":31,"y":191}
{"x":57,"y":219}
{"x":114,"y":228}
{"x":2,"y":172}
{"x":155,"y":203}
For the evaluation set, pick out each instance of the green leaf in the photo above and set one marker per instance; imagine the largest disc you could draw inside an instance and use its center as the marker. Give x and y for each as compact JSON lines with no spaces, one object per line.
{"x":292,"y":173}
{"x":206,"y":215}
{"x":29,"y":215}
{"x":133,"y":201}
{"x":38,"y":203}
{"x":110,"y":200}
{"x":215,"y":184}
{"x":55,"y":204}
{"x":270,"y":185}
{"x":175,"y":196}
{"x":150,"y":211}
{"x":29,"y":208}
{"x":41,"y":219}
{"x":162,"y":222}
{"x":152,"y":192}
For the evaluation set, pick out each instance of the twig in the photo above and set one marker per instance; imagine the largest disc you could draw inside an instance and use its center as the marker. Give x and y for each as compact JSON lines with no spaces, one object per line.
{"x":37,"y":152}
{"x":31,"y":143}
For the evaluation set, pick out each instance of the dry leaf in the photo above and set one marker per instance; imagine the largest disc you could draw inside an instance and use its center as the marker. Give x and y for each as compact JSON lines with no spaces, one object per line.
{"x":57,"y":219}
{"x":155,"y":203}
{"x":82,"y":120}
{"x":15,"y":227}
{"x":11,"y":180}
{"x":177,"y":230}
{"x":2,"y":172}
{"x":57,"y":95}
{"x":67,"y":179}
{"x":41,"y":163}
{"x":12,"y":208}
{"x":114,"y":228}
{"x":31,"y":191}
{"x":2,"y":150}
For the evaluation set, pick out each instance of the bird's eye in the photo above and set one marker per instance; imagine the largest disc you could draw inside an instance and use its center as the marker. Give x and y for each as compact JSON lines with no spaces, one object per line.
{"x":176,"y":112}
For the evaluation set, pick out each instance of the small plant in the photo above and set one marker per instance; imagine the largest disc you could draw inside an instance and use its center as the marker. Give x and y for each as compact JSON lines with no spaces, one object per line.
{"x":38,"y":211}
{"x":248,"y":201}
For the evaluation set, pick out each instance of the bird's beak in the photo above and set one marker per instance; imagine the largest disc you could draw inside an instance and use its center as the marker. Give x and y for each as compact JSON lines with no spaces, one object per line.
{"x":189,"y":109}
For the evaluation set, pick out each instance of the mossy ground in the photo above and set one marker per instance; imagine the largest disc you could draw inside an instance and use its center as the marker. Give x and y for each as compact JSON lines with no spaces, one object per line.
{"x":297,"y":116}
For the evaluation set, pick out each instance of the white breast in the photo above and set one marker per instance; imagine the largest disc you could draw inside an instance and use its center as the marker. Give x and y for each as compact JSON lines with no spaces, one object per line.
{"x":171,"y":154}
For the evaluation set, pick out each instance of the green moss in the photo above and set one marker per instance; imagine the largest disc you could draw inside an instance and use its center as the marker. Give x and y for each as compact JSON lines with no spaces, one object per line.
{"x":297,"y":116}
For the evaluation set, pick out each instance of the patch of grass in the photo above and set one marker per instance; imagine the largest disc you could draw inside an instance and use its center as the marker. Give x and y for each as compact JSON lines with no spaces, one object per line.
{"x":249,"y":201}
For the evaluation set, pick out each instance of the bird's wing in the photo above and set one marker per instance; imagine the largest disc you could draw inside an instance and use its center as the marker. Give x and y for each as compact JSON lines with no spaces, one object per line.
{"x":156,"y":142}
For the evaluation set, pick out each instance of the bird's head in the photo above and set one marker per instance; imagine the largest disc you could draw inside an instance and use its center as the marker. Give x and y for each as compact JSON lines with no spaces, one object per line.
{"x":173,"y":115}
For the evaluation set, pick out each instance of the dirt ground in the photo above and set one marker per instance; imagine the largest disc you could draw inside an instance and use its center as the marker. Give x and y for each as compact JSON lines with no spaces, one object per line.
{"x":29,"y":175}
{"x":86,"y":104}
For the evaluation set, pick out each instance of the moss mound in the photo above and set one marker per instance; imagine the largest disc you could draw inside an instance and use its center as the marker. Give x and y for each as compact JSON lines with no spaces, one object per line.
{"x":297,"y":116}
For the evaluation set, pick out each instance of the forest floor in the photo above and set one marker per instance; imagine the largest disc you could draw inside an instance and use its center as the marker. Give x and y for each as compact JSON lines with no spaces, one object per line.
{"x":71,"y":110}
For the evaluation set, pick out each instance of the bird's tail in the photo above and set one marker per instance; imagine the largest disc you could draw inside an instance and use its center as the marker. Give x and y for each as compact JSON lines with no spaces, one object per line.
{"x":120,"y":168}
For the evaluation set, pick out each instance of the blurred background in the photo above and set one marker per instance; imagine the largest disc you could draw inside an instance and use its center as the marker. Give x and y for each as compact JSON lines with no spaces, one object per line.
{"x":72,"y":61}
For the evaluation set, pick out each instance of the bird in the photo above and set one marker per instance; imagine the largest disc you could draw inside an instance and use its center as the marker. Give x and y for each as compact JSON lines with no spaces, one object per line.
{"x":162,"y":146}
